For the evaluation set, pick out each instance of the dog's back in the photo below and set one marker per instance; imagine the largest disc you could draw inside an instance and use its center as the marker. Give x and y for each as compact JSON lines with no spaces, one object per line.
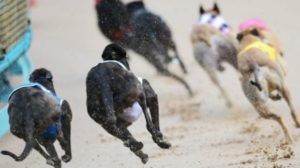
{"x":152,"y":36}
{"x":146,"y":23}
{"x":31,"y":106}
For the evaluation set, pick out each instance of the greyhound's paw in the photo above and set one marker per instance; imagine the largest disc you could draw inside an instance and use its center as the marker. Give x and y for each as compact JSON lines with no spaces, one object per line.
{"x":164,"y":144}
{"x":55,"y":162}
{"x":134,"y":145}
{"x":66,"y":158}
{"x":144,"y":157}
{"x":161,"y":143}
{"x":51,"y":162}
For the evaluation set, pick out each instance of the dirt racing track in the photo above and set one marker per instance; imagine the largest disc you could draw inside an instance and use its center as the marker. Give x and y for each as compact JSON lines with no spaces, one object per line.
{"x":203,"y":132}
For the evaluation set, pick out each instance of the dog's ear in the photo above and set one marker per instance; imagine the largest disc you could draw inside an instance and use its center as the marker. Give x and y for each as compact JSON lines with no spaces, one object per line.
{"x":239,"y":37}
{"x":202,"y":10}
{"x":216,"y":8}
{"x":255,"y":32}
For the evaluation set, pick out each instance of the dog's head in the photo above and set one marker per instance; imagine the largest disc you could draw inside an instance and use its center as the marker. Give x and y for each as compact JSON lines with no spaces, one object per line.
{"x":43,"y":77}
{"x":134,"y":6}
{"x":115,"y":52}
{"x":253,"y":34}
{"x":213,"y":11}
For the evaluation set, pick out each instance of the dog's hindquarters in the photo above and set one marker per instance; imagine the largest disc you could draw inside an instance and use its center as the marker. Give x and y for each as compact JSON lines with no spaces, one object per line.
{"x":30,"y":111}
{"x":100,"y":105}
{"x":259,"y":98}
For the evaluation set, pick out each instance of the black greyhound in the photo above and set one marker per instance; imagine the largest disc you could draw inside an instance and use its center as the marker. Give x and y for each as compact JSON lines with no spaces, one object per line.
{"x":116,"y":98}
{"x":141,"y":31}
{"x":39,"y":117}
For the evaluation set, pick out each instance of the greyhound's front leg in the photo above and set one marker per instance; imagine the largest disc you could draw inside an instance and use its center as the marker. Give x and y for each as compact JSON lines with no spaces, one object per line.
{"x":155,"y":132}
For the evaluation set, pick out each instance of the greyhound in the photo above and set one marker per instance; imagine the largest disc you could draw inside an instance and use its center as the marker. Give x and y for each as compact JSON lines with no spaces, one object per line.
{"x":116,"y":98}
{"x":40,"y":117}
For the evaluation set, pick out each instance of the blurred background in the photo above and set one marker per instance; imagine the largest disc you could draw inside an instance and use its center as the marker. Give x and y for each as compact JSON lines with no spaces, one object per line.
{"x":204,"y":133}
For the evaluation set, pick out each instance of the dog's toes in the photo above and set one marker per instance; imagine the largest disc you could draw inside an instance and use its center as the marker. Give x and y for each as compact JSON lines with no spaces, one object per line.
{"x":51,"y":162}
{"x":164,"y":144}
{"x":145,"y":160}
{"x":66,"y":158}
{"x":55,"y":162}
{"x":144,"y":157}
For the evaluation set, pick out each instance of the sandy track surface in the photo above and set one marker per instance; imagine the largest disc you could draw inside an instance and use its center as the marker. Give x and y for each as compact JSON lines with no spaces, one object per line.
{"x":204,"y":133}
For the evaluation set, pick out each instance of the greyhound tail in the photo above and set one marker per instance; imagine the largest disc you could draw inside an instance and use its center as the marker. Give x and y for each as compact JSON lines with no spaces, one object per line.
{"x":24,"y":154}
{"x":255,"y":70}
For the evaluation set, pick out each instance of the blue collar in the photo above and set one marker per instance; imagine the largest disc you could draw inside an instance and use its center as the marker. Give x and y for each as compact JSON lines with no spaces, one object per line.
{"x":41,"y":87}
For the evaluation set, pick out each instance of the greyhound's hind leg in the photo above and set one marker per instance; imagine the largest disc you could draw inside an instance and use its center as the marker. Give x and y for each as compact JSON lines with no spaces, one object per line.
{"x":264,"y":112}
{"x":153,"y":122}
{"x":179,"y":79}
{"x":174,"y":48}
{"x":120,"y":131}
{"x":287,"y":96}
{"x":213,"y":76}
{"x":65,"y":140}
{"x":54,"y":160}
{"x":38,"y":148}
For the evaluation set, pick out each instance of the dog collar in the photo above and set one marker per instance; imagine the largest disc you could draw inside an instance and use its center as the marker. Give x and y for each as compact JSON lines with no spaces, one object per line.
{"x":269,"y":50}
{"x":41,"y":87}
{"x":216,"y":21}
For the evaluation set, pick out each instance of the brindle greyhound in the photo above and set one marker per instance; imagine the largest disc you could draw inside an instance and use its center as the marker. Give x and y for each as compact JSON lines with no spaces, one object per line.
{"x":263,"y":76}
{"x":141,"y":31}
{"x":116,"y":98}
{"x":39,"y":117}
{"x":213,"y":44}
